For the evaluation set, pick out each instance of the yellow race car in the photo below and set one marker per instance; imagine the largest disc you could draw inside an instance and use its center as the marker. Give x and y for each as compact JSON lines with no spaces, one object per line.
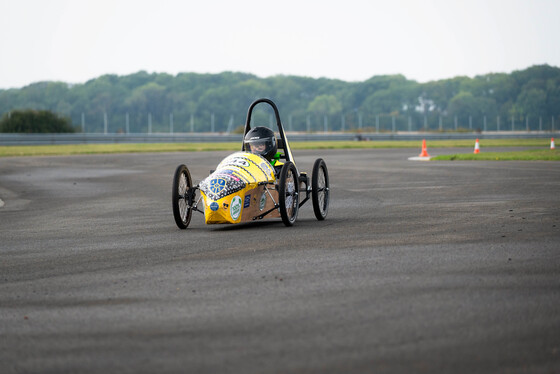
{"x":260,"y":181}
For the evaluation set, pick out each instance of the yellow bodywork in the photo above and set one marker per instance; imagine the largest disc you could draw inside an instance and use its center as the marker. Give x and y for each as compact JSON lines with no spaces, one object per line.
{"x":237,"y":191}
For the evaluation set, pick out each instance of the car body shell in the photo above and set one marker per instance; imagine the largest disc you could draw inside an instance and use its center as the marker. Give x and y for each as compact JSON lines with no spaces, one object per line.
{"x":238,"y":190}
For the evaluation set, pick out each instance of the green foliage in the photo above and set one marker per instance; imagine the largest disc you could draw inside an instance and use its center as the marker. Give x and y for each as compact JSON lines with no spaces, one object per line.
{"x":379,"y":102}
{"x":34,"y":121}
{"x":325,"y":104}
{"x":465,"y":105}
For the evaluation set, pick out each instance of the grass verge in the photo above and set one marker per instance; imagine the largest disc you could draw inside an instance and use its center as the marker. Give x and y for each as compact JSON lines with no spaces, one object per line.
{"x":527,"y":155}
{"x":75,"y":149}
{"x":82,"y":149}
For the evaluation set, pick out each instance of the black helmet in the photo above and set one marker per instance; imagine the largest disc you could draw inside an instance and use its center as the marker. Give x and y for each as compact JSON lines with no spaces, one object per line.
{"x":261,"y":140}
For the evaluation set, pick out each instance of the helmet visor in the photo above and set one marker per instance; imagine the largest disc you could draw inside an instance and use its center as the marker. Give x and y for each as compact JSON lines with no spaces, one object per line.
{"x":259,"y":146}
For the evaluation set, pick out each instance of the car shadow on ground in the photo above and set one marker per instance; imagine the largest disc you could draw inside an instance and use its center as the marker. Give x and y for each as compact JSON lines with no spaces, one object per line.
{"x":308,"y":223}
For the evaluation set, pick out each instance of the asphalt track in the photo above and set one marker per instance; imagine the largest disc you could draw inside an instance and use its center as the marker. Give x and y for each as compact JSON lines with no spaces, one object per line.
{"x":420,"y":267}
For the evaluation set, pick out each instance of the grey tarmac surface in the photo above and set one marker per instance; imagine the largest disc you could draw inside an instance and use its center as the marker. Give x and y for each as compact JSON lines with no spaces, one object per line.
{"x":420,"y":267}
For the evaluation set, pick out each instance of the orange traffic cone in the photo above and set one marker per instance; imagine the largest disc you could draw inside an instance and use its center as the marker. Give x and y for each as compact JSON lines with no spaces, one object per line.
{"x":476,"y":147}
{"x":552,"y":146}
{"x":424,"y":152}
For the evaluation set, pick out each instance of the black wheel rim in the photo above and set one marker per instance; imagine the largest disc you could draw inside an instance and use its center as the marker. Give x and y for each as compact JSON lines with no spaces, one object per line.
{"x":182,"y":196}
{"x":183,"y":203}
{"x":288,"y":194}
{"x":322,"y":191}
{"x":291,"y":202}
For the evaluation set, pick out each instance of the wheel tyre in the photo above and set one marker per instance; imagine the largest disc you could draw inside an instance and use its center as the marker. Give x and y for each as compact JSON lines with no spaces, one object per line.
{"x":288,"y":192}
{"x":320,"y":192}
{"x":182,"y":210}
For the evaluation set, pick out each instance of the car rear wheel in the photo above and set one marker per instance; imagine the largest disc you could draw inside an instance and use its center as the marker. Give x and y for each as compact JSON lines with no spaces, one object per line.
{"x":182,"y":196}
{"x":288,"y":191}
{"x":320,"y":189}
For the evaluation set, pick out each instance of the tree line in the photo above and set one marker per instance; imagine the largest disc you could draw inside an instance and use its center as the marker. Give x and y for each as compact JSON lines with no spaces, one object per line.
{"x":144,"y":101}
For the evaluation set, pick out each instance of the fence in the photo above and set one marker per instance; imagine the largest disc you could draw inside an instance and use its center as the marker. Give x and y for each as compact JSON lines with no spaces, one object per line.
{"x":81,"y":138}
{"x":146,"y":123}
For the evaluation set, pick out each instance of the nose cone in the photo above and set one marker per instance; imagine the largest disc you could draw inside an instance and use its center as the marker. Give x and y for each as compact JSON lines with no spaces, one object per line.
{"x":223,"y":194}
{"x":225,"y":210}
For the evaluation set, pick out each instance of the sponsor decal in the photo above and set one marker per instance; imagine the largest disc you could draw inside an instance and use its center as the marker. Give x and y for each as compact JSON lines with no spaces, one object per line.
{"x":235,"y":208}
{"x":247,"y":201}
{"x":262,"y":203}
{"x":214,"y":206}
{"x":265,"y":166}
{"x":240,"y":176}
{"x":226,"y":174}
{"x":240,"y":162}
{"x":226,"y":171}
{"x":217,"y":185}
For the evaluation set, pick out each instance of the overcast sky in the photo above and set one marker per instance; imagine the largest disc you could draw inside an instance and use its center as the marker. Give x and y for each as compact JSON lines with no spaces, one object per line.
{"x":77,"y":40}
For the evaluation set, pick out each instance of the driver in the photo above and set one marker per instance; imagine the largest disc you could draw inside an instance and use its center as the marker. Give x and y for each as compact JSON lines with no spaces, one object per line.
{"x":257,"y":148}
{"x":261,"y":140}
